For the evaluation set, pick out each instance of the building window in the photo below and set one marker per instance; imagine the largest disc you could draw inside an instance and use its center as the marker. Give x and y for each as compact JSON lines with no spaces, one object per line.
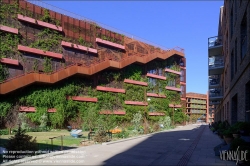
{"x":231,"y":23}
{"x":235,"y":10}
{"x":232,"y":65}
{"x":243,"y":34}
{"x":234,"y":109}
{"x":247,"y":101}
{"x":235,"y":55}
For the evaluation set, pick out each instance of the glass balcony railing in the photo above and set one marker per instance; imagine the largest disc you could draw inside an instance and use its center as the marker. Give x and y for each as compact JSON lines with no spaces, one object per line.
{"x":216,"y":62}
{"x":214,"y":41}
{"x":214,"y":102}
{"x":215,"y":92}
{"x":214,"y":80}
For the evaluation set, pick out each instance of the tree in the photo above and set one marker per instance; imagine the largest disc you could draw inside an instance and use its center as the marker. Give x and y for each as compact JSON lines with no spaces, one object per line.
{"x":23,"y":144}
{"x":12,"y":117}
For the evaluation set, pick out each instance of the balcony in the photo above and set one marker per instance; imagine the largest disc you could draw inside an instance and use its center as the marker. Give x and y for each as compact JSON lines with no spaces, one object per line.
{"x":198,"y":111}
{"x":214,"y":102}
{"x":214,"y":45}
{"x":215,"y":94}
{"x":216,"y":65}
{"x":214,"y":81}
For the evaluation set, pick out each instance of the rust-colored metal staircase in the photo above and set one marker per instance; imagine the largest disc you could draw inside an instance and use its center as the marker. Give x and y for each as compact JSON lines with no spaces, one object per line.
{"x":32,"y":77}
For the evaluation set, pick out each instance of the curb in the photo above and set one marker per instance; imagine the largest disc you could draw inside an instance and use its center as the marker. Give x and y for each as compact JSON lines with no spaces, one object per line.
{"x":146,"y":135}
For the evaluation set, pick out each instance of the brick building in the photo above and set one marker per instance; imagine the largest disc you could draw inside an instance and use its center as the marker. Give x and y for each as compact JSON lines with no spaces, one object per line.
{"x":229,"y":63}
{"x":197,"y":107}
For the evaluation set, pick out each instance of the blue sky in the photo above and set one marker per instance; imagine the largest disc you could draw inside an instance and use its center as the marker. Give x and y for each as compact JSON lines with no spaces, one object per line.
{"x":187,"y":24}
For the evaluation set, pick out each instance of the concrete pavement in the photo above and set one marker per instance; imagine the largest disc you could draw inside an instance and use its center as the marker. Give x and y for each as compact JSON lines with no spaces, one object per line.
{"x":187,"y":145}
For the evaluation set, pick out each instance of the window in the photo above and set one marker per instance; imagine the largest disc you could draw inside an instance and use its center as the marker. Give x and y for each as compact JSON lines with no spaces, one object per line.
{"x":235,"y":10}
{"x":232,"y":65}
{"x":231,"y":23}
{"x":247,"y":101}
{"x":234,"y":109}
{"x":235,"y":55}
{"x":243,"y":34}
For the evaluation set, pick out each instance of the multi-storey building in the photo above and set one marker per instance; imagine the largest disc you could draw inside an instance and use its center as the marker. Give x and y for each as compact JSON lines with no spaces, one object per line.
{"x":56,"y":62}
{"x":229,"y":63}
{"x":197,"y":107}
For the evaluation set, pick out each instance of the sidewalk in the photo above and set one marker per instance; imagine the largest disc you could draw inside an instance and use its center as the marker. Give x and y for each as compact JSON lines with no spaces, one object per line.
{"x":203,"y":153}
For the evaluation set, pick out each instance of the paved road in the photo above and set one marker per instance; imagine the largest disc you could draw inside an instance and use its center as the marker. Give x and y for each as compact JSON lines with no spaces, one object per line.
{"x":187,"y":145}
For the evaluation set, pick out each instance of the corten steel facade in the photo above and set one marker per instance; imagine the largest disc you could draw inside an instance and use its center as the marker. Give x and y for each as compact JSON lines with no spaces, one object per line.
{"x":197,"y":106}
{"x":103,"y":50}
{"x":229,"y":63}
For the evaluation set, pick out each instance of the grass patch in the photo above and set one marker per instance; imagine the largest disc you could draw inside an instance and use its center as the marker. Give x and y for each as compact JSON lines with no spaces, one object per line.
{"x":44,"y":142}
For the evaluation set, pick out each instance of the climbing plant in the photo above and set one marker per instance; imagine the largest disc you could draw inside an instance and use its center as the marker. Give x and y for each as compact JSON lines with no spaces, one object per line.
{"x":47,"y":65}
{"x":4,"y":72}
{"x":48,"y":40}
{"x":9,"y":42}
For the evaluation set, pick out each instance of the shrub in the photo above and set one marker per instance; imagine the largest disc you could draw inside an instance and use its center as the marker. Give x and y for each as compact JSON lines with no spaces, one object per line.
{"x":123,"y":134}
{"x":101,"y":136}
{"x":237,"y":142}
{"x":4,"y":132}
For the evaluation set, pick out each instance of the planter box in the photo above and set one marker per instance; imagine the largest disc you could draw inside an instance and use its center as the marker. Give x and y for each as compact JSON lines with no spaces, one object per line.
{"x":173,"y":88}
{"x":8,"y":29}
{"x":174,"y":106}
{"x":155,"y":95}
{"x":156,"y":76}
{"x":106,"y":112}
{"x":27,"y":109}
{"x":98,"y":40}
{"x":9,"y":61}
{"x":39,"y":52}
{"x":38,"y":22}
{"x":79,"y":98}
{"x":156,"y":114}
{"x":52,"y":110}
{"x":136,"y":103}
{"x":108,"y":89}
{"x":135,"y":82}
{"x":78,"y":47}
{"x":33,"y":109}
{"x":173,"y":71}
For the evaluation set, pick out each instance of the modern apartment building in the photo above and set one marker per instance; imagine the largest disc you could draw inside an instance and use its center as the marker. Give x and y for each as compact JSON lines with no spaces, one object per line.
{"x":197,"y":107}
{"x":229,"y":63}
{"x":45,"y":49}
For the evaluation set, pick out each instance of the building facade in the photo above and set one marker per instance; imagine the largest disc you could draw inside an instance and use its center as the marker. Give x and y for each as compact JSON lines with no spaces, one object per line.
{"x":229,"y":63}
{"x":197,"y":107}
{"x":43,"y":50}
